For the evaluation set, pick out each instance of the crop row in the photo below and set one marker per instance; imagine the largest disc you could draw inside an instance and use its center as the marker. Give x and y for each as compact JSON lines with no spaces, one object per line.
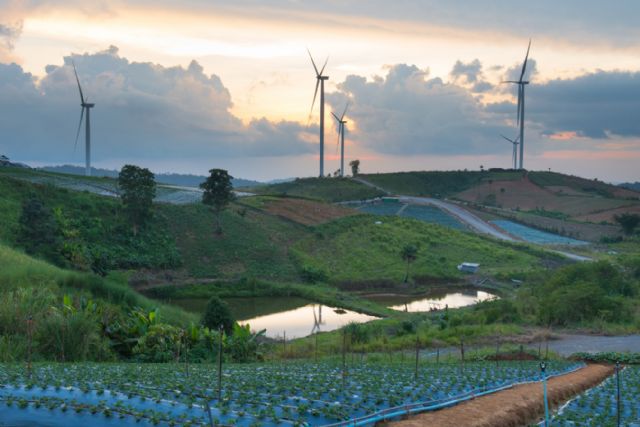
{"x":599,"y":407}
{"x":273,"y":394}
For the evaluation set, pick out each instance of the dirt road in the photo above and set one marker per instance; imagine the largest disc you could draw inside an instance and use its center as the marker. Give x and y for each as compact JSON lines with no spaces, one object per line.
{"x":513,"y":407}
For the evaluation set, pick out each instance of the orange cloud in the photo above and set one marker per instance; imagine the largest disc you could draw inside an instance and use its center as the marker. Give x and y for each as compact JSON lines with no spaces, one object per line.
{"x":563,"y":136}
{"x":590,"y":155}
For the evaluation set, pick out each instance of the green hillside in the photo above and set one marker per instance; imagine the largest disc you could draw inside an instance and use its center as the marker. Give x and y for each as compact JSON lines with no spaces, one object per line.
{"x":326,"y":189}
{"x":357,"y":249}
{"x":60,"y":300}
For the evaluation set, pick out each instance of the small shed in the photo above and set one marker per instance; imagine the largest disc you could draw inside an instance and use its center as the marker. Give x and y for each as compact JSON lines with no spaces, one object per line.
{"x":469,"y":267}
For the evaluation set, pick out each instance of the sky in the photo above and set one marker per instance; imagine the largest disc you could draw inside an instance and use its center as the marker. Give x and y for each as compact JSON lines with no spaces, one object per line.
{"x":186,"y":86}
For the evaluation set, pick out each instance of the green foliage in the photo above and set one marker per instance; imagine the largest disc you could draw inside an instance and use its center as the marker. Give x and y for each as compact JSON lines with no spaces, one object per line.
{"x":628,"y":221}
{"x":313,"y":274}
{"x":355,"y":167}
{"x":217,"y":314}
{"x":326,"y":189}
{"x":90,"y":233}
{"x":137,"y":190}
{"x":39,"y":233}
{"x":586,"y":292}
{"x":409,"y":254}
{"x":243,"y":345}
{"x":608,"y":357}
{"x":158,"y":345}
{"x":218,"y":193}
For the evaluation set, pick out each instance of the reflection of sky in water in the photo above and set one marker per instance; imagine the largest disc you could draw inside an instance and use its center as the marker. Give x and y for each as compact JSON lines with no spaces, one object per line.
{"x":453,"y":300}
{"x":300,"y":322}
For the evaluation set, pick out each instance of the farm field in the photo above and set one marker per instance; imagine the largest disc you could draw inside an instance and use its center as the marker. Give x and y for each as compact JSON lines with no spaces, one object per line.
{"x":532,"y":235}
{"x":598,"y":407}
{"x":270,"y":394}
{"x":326,"y":189}
{"x":429,"y":214}
{"x":302,"y":211}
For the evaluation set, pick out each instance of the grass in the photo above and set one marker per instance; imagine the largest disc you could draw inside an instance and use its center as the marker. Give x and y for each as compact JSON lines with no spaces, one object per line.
{"x":356,"y":249}
{"x":435,"y":183}
{"x":253,"y":243}
{"x":325,"y":189}
{"x":21,"y":272}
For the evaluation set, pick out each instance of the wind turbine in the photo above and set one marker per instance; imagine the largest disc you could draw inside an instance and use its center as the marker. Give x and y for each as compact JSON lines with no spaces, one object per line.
{"x":85,"y":106}
{"x":320,"y":78}
{"x":520,"y":118}
{"x":515,"y":150}
{"x":341,"y":130}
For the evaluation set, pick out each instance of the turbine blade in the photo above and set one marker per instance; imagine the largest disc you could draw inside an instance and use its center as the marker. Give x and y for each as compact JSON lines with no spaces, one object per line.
{"x":315,"y":94}
{"x":506,"y":138}
{"x":524,"y":64}
{"x":519,"y":104}
{"x":325,"y":64}
{"x":338,"y":141}
{"x":75,"y":145}
{"x":78,"y":81}
{"x":345,"y":111}
{"x":336,"y":117}
{"x":313,"y":62}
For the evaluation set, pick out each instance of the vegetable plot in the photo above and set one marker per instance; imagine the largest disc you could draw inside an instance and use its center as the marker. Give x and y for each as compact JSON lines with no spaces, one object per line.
{"x":270,"y":394}
{"x":598,"y":406}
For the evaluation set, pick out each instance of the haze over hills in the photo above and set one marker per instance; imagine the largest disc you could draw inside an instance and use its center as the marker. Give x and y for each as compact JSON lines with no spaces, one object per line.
{"x":182,"y":180}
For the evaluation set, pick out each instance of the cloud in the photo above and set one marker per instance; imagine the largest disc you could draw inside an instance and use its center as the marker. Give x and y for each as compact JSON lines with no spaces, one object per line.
{"x":595,"y":105}
{"x":9,"y":33}
{"x":143,"y":111}
{"x":470,"y":75}
{"x":406,"y":112}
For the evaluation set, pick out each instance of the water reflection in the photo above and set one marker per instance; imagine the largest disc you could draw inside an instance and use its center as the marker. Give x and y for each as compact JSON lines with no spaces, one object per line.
{"x":305,"y":321}
{"x":434,"y":301}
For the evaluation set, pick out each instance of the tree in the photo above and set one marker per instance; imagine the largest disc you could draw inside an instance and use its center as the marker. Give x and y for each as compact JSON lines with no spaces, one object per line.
{"x":218,"y":193}
{"x":355,"y":167}
{"x":39,"y":232}
{"x":628,"y":222}
{"x":217,"y":314}
{"x":409,"y":253}
{"x":137,"y":190}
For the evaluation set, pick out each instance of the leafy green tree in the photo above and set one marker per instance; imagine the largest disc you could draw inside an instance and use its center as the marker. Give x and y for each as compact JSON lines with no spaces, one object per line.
{"x":218,"y":193}
{"x":39,"y":233}
{"x":217,"y":314}
{"x":409,"y":254}
{"x":137,"y":190}
{"x":355,"y":167}
{"x":628,"y":221}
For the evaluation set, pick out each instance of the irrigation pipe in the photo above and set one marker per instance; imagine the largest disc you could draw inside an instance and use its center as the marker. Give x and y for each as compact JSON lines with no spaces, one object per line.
{"x":416,"y":408}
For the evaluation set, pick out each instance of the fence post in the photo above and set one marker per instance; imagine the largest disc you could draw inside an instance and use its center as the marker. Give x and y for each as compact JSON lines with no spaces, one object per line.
{"x":316,"y":348}
{"x":284,"y":344}
{"x":29,"y":347}
{"x":438,"y":355}
{"x":618,"y":409}
{"x":497,"y":350}
{"x":344,"y":355}
{"x":417,"y":354}
{"x":543,"y":368}
{"x":220,"y":365}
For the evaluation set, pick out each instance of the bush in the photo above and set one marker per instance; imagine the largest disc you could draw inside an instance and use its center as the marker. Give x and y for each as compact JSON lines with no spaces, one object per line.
{"x":159,"y":344}
{"x":217,"y":314}
{"x":312,"y":274}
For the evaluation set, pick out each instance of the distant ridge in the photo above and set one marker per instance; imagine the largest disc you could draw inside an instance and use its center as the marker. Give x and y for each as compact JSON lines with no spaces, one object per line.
{"x":630,"y":185}
{"x":182,"y":180}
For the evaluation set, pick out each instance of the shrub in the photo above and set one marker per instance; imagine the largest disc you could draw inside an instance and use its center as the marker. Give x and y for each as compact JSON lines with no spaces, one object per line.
{"x":217,"y":314}
{"x":159,"y":344}
{"x":312,"y":274}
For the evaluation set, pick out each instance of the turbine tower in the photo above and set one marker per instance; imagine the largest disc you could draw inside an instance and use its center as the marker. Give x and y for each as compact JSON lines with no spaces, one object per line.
{"x":341,"y":130}
{"x":515,"y":150}
{"x":85,"y":107}
{"x":320,"y":78}
{"x":520,"y":115}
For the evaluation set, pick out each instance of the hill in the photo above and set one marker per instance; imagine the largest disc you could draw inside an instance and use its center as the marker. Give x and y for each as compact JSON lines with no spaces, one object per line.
{"x":324,"y":189}
{"x":181,"y":180}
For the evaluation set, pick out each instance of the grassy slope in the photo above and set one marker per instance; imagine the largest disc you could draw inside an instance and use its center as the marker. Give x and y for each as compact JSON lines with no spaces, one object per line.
{"x":326,"y":189}
{"x":355,"y":249}
{"x":435,"y":184}
{"x":22,"y":273}
{"x":253,"y":244}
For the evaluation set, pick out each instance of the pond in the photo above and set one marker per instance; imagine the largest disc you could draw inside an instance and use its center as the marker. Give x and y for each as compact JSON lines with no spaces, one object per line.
{"x":436,"y":300}
{"x":295,"y":317}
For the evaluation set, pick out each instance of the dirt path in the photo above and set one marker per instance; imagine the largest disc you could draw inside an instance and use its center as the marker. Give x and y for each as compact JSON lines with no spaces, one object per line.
{"x":514,"y":407}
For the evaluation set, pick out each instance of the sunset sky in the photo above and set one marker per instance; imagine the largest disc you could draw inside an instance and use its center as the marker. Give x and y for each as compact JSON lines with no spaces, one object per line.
{"x":185,"y":86}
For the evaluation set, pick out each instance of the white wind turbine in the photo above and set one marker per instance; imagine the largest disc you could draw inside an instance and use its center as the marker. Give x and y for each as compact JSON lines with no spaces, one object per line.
{"x":520,"y":115}
{"x":320,"y":78}
{"x":515,"y":150}
{"x":341,"y":131}
{"x":85,"y":106}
